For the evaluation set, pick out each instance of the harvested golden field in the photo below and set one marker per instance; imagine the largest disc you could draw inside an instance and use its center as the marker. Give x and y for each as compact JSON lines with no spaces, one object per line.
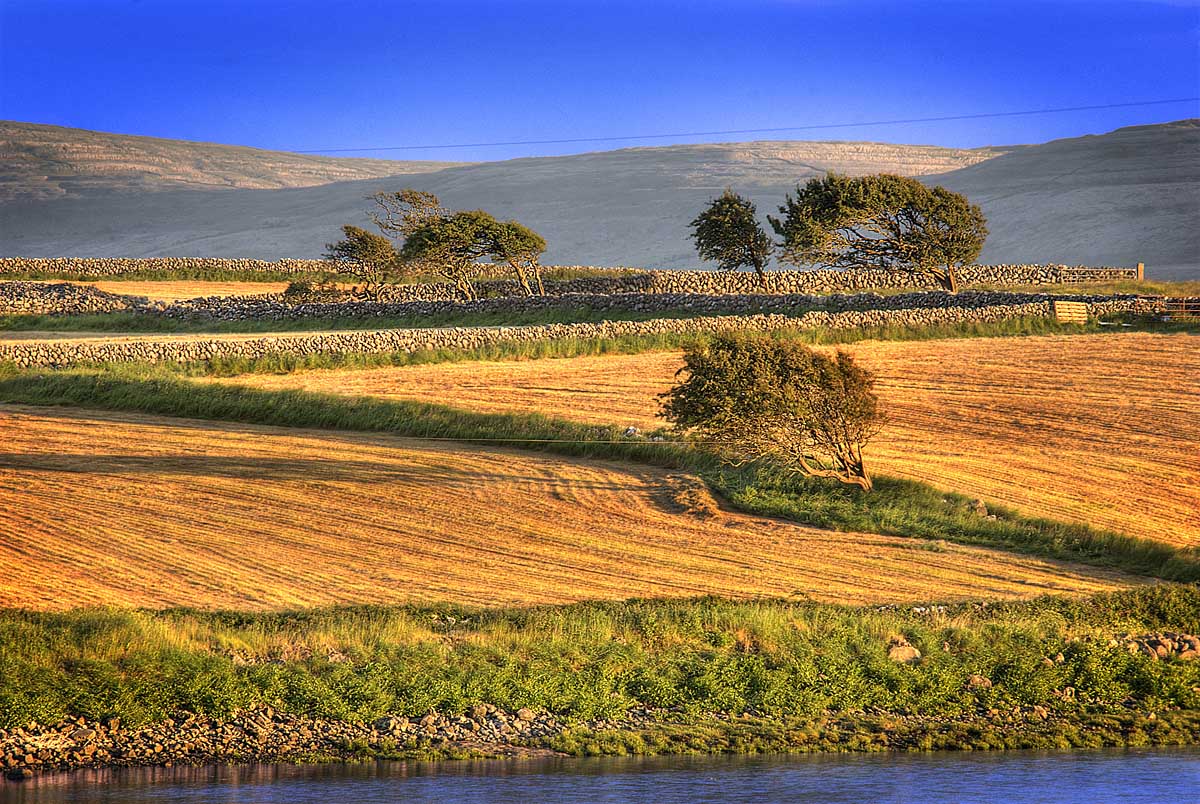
{"x":1102,"y":429}
{"x":170,"y":290}
{"x":118,"y":509}
{"x":174,"y":290}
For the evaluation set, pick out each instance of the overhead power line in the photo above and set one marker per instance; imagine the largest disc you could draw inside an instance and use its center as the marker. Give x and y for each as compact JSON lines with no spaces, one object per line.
{"x":905,"y":121}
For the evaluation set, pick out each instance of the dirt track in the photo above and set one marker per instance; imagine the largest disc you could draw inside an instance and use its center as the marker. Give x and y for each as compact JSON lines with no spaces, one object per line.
{"x":115,"y":509}
{"x":1101,"y":429}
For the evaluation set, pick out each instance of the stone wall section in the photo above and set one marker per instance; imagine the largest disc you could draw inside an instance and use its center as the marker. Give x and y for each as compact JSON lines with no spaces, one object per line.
{"x":63,"y":353}
{"x":628,"y":280}
{"x":278,"y":307}
{"x":61,"y":298}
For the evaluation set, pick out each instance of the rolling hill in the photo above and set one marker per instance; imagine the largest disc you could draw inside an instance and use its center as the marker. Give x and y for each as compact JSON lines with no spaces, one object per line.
{"x":47,"y":162}
{"x":1117,"y":198}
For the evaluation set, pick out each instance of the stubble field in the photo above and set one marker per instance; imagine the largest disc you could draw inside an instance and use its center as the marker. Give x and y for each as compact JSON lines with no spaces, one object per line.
{"x":1098,"y":429}
{"x":128,"y":510}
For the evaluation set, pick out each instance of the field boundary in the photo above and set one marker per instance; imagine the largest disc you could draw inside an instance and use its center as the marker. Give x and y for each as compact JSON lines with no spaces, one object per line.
{"x":65,"y":352}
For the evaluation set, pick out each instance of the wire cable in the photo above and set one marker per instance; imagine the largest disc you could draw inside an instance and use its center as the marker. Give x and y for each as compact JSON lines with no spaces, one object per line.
{"x":980,"y":116}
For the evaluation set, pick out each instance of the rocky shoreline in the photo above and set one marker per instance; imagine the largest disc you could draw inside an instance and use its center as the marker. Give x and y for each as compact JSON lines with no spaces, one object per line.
{"x":267,"y":736}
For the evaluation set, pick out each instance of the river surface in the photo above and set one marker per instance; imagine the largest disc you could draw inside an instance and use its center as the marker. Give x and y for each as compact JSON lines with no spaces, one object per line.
{"x":1095,"y":777}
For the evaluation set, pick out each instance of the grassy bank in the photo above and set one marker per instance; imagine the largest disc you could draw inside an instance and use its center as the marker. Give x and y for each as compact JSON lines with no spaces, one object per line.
{"x":599,"y":660}
{"x":903,"y":508}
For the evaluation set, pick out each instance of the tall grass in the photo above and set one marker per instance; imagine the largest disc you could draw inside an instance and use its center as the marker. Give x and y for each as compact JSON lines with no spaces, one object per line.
{"x":898,"y":507}
{"x":588,"y":660}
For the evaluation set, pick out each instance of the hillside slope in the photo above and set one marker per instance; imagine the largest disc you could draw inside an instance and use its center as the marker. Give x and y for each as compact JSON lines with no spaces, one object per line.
{"x":45,"y":162}
{"x":1119,"y":198}
{"x":225,"y":515}
{"x":626,"y":207}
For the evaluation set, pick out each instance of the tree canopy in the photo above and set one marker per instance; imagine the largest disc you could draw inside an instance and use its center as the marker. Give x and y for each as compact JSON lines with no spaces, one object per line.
{"x":451,"y":245}
{"x":755,"y":398}
{"x":366,"y":256}
{"x":884,"y":221}
{"x":520,"y":248}
{"x":728,"y":233}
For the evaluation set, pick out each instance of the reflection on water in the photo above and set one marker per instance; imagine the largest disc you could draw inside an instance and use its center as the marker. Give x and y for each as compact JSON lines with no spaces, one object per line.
{"x":1099,"y":776}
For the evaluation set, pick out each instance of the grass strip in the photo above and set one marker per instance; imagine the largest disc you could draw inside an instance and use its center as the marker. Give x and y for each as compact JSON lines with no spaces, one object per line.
{"x":285,"y":363}
{"x":772,"y":659}
{"x":897,"y":507}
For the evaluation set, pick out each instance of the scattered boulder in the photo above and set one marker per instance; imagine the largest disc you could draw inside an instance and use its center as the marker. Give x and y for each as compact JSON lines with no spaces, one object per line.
{"x":901,"y":651}
{"x":1165,"y":646}
{"x":977,"y":681}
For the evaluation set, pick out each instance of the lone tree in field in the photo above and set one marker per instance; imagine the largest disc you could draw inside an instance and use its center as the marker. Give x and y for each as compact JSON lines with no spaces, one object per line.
{"x":728,"y":233}
{"x":883,"y":221}
{"x":451,"y":246}
{"x":520,"y":248}
{"x":366,"y":256}
{"x":762,"y":399}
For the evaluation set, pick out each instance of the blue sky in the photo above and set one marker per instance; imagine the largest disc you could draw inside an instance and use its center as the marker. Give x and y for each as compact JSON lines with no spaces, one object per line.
{"x":306,"y":75}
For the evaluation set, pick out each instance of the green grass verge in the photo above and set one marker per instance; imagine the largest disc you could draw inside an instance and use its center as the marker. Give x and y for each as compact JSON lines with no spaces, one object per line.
{"x":886,"y":732}
{"x":281,"y":363}
{"x":771,"y":658}
{"x":1147,"y":287}
{"x":897,"y":507}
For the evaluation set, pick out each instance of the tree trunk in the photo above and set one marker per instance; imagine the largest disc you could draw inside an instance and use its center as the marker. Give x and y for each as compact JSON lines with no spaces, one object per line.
{"x":760,"y":269}
{"x":950,"y":282}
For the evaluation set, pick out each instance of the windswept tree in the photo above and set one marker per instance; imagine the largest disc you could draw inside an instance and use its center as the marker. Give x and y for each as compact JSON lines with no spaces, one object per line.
{"x":451,"y":246}
{"x":365,"y":256}
{"x":401,"y":213}
{"x":882,"y":221}
{"x":728,"y":233}
{"x":759,"y":399}
{"x":520,"y":248}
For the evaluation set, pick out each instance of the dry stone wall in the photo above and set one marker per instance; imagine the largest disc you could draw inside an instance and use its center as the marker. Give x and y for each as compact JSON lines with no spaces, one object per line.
{"x":61,"y":298}
{"x":63,"y":353}
{"x":777,"y":282}
{"x":629,"y":280}
{"x":278,"y":307}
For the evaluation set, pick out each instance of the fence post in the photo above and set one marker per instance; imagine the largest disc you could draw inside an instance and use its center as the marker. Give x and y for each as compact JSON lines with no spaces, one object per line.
{"x":1141,"y":271}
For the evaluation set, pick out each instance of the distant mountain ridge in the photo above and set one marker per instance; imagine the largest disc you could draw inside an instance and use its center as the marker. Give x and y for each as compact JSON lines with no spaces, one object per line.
{"x":1118,"y":198}
{"x":40,"y":162}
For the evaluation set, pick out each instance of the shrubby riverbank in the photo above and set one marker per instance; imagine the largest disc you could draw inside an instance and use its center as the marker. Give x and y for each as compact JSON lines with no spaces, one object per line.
{"x":666,"y":676}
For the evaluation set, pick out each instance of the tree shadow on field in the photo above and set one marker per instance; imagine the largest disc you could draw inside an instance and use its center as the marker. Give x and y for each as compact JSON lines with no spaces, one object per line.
{"x":250,"y":468}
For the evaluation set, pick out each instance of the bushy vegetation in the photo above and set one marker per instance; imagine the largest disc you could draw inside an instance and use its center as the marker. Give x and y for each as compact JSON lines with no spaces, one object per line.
{"x":588,"y":660}
{"x":366,"y":256}
{"x":753,"y":398}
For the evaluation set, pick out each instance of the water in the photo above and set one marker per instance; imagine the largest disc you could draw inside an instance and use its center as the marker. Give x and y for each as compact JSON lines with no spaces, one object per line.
{"x":1111,"y":777}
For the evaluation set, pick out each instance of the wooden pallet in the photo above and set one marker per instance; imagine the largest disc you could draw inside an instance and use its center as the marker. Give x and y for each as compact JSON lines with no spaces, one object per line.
{"x":1071,"y":312}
